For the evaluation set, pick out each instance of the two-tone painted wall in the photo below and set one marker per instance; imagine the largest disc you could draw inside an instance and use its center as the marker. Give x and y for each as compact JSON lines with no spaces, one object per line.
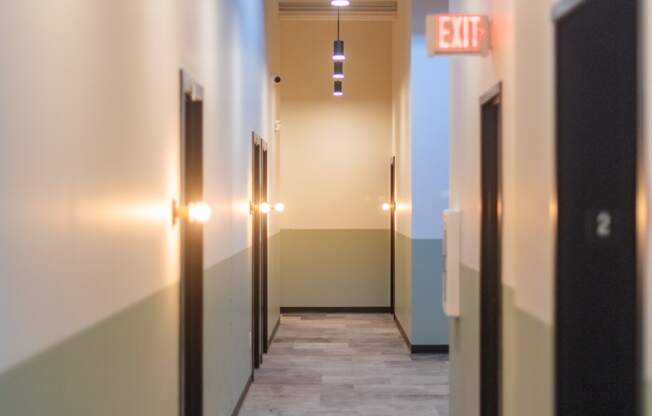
{"x":89,"y":165}
{"x":334,"y":165}
{"x":420,"y":144}
{"x":522,"y":58}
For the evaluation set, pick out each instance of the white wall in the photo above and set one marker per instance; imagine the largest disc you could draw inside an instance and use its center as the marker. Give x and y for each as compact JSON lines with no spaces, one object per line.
{"x":335,"y":150}
{"x":89,"y":107}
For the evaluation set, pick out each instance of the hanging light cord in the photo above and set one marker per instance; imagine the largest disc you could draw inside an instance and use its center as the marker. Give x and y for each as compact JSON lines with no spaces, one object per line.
{"x":338,"y":23}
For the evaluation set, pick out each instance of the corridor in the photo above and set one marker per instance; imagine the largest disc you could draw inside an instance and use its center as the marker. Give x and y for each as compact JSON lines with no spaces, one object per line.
{"x":346,"y":365}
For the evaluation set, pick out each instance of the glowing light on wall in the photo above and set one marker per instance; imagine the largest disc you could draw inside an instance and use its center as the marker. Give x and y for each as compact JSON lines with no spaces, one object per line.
{"x":387,"y":206}
{"x":279,"y":207}
{"x":196,"y":212}
{"x":265,"y":208}
{"x":199,"y":212}
{"x":340,"y":3}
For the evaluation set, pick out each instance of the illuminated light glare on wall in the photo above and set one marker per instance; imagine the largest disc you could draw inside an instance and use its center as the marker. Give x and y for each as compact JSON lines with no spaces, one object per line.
{"x":338,"y":89}
{"x":338,"y":71}
{"x":199,"y":212}
{"x":338,"y":51}
{"x":279,"y":207}
{"x":265,"y":208}
{"x":340,"y":3}
{"x":387,"y":206}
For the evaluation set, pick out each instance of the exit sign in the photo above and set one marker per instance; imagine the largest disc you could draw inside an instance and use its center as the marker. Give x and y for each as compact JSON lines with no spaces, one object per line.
{"x":454,"y":33}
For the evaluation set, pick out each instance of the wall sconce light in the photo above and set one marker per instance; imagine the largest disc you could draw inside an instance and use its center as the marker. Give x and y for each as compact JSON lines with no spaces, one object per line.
{"x":195,"y":212}
{"x":387,"y":206}
{"x":340,"y":3}
{"x":266,"y":207}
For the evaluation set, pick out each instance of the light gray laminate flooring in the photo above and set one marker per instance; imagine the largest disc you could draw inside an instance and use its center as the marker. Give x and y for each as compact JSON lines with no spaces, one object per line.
{"x":346,"y":365}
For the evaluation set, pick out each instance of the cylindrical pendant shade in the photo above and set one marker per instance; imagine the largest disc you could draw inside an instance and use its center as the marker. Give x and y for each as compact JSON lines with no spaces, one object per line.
{"x":340,"y":3}
{"x":338,"y":50}
{"x":338,"y":71}
{"x":337,"y":91}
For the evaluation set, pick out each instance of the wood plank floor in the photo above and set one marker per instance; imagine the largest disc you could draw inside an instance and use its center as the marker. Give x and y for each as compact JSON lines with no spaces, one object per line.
{"x":346,"y":365}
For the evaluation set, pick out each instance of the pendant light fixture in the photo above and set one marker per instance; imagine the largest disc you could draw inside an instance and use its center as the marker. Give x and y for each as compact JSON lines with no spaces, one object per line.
{"x":337,"y":91}
{"x":338,"y":45}
{"x":340,"y":3}
{"x":338,"y":70}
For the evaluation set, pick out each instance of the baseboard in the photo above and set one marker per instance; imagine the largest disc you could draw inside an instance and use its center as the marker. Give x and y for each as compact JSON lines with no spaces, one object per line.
{"x":403,"y":334}
{"x":429,"y":349}
{"x":336,"y":309}
{"x":271,"y":338}
{"x":243,"y":396}
{"x":420,"y":349}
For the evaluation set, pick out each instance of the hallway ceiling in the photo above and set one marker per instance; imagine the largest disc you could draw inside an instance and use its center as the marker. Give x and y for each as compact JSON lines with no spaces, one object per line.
{"x":321,"y":9}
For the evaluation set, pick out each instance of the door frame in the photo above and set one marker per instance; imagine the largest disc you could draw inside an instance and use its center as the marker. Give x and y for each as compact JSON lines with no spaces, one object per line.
{"x":256,"y":350}
{"x":490,"y":291}
{"x":191,"y":294}
{"x":392,"y":235}
{"x":264,"y":249}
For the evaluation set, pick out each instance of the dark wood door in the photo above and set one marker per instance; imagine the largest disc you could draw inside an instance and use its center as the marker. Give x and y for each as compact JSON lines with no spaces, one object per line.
{"x":192,"y":251}
{"x":257,"y":350}
{"x":263,"y":251}
{"x":597,"y":338}
{"x":490,"y":269}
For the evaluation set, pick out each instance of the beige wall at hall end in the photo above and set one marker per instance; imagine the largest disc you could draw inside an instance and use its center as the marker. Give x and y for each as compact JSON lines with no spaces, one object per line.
{"x":335,"y":150}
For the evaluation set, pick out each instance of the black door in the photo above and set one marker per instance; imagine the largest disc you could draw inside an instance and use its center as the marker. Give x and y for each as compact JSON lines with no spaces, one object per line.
{"x":392,"y":232}
{"x":597,"y":341}
{"x":490,"y":271}
{"x":263,"y":247}
{"x":257,"y":350}
{"x":192,"y":250}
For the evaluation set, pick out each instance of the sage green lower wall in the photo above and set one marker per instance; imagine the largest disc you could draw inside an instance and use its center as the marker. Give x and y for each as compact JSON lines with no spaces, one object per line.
{"x":465,"y":348}
{"x":527,"y":356}
{"x":227,"y":327}
{"x":273,"y":283}
{"x":128,"y":364}
{"x":418,"y":290}
{"x":335,"y":268}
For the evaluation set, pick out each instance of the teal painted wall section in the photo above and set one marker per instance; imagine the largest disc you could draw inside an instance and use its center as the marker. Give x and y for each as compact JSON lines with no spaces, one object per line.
{"x":429,"y":324}
{"x":330,"y":268}
{"x":465,"y":347}
{"x":419,"y":290}
{"x":273,"y":283}
{"x":126,"y":365}
{"x":403,"y":283}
